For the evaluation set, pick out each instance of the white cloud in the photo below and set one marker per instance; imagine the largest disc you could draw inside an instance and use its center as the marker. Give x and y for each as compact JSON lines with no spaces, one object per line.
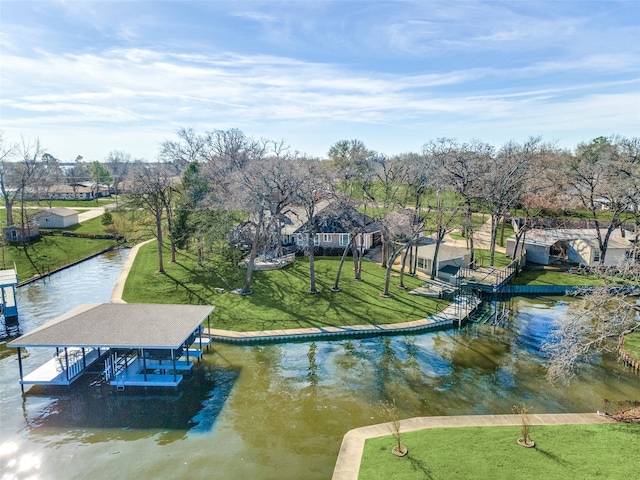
{"x":410,"y":68}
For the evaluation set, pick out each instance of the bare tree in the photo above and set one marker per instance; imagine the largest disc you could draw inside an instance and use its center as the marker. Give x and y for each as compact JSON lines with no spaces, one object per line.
{"x":118,"y":163}
{"x":310,"y":185}
{"x":504,"y":181}
{"x":353,"y":170}
{"x":461,"y":169}
{"x":604,"y":175}
{"x":151,"y":188}
{"x":52,"y":177}
{"x":599,"y":324}
{"x":76,"y":174}
{"x":8,"y":176}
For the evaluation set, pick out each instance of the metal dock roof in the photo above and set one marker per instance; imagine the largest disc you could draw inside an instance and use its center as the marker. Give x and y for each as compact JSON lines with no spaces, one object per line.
{"x":112,"y":325}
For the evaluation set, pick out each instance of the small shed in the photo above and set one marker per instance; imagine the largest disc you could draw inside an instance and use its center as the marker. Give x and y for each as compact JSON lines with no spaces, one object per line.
{"x":21,"y":233}
{"x":58,"y":217}
{"x":450,"y":260}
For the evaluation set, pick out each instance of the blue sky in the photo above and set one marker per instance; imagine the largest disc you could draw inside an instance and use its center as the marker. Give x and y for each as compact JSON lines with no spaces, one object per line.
{"x":90,"y":77}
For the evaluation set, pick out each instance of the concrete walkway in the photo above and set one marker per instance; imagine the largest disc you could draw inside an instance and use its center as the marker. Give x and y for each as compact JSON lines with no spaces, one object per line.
{"x":348,"y":463}
{"x":446,"y":317}
{"x":116,"y":294}
{"x":93,"y":212}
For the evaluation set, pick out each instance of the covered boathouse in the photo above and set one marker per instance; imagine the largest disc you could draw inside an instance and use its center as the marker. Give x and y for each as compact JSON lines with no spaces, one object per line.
{"x":139,"y":344}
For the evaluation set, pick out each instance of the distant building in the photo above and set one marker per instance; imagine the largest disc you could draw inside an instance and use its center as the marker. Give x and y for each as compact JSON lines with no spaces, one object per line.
{"x":577,"y":245}
{"x":58,"y":217}
{"x":79,"y":191}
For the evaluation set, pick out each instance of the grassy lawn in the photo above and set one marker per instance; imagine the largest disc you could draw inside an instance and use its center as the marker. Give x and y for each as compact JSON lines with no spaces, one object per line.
{"x":93,"y":226}
{"x":561,"y":452}
{"x":280,"y":298}
{"x":49,"y":253}
{"x":70,"y":203}
{"x":483,"y":258}
{"x":551,"y":277}
{"x":632,"y":344}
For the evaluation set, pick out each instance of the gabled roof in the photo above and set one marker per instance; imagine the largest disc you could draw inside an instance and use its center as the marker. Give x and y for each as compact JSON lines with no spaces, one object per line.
{"x":341,"y":219}
{"x":547,"y":238}
{"x":119,"y":325}
{"x":59,"y":211}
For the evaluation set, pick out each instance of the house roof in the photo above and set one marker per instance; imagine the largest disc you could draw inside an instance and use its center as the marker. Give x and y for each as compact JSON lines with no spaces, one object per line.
{"x":124,"y":325}
{"x":341,"y":219}
{"x":546,"y":238}
{"x":444,"y":253}
{"x":296,"y":216}
{"x":59,"y":211}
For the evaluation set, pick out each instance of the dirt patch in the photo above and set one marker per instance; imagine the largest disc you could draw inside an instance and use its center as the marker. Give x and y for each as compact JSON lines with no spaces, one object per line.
{"x":630,"y":415}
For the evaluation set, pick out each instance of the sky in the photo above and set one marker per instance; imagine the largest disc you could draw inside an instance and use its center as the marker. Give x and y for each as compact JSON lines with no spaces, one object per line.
{"x":89,"y":77}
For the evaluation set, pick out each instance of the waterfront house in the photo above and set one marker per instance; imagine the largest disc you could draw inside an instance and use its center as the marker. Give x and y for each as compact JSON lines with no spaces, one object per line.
{"x":335,"y":225}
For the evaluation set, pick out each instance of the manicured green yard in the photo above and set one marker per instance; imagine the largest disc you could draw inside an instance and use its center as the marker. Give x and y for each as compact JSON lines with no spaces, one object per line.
{"x":50,"y":253}
{"x":280,"y":298}
{"x":71,"y":203}
{"x":632,"y":344}
{"x":552,"y":277}
{"x":483,"y":258}
{"x":561,"y":452}
{"x":93,"y":226}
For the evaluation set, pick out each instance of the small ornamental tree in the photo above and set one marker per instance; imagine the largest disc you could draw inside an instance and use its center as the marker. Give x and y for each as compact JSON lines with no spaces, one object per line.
{"x":525,"y":426}
{"x":107,"y":218}
{"x":390,"y":412}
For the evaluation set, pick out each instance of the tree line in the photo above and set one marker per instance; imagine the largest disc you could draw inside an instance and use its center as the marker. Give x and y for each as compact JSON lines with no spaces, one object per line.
{"x":200,"y":181}
{"x":223,"y":188}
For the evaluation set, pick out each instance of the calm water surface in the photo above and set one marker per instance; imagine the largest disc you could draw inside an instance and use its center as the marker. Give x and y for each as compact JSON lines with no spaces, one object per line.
{"x":276,"y":411}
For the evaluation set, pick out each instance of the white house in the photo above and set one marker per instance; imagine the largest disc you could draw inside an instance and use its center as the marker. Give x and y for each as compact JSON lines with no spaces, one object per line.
{"x":450,"y":260}
{"x":58,"y":217}
{"x":578,"y":245}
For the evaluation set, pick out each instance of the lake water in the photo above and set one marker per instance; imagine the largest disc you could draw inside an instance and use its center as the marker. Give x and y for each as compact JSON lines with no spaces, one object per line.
{"x":274,"y":411}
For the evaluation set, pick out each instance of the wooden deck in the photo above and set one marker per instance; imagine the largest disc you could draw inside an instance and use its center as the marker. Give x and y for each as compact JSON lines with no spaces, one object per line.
{"x":54,"y":372}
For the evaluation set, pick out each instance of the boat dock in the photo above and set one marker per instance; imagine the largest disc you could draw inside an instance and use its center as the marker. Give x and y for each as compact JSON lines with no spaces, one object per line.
{"x":141,"y":345}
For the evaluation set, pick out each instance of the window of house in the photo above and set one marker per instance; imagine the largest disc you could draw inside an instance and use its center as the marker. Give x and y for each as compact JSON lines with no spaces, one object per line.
{"x":344,"y":239}
{"x":316,"y":239}
{"x":300,"y":238}
{"x":596,"y":255}
{"x":326,"y":237}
